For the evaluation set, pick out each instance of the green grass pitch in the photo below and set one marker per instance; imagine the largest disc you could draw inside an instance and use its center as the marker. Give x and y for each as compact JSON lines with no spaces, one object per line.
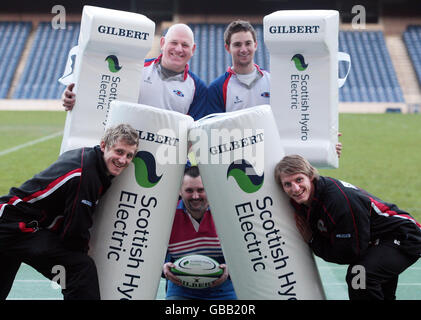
{"x":381,"y":152}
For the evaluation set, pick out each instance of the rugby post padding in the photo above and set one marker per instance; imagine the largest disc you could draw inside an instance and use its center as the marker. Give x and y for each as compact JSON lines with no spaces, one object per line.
{"x":267,"y":258}
{"x":133,"y":221}
{"x":109,"y":61}
{"x":303,"y":46}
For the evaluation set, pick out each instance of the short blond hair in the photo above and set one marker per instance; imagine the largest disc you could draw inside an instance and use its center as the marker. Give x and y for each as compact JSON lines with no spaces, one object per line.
{"x":294,"y":164}
{"x":124,"y":132}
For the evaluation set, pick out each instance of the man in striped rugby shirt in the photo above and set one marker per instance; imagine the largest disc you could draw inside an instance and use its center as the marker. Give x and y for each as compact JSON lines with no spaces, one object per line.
{"x":194,"y":232}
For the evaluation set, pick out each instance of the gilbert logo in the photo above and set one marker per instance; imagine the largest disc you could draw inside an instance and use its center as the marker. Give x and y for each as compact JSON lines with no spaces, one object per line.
{"x":145,"y":170}
{"x":113,"y":64}
{"x":295,"y":29}
{"x":120,"y":32}
{"x":245,"y":176}
{"x":299,"y":62}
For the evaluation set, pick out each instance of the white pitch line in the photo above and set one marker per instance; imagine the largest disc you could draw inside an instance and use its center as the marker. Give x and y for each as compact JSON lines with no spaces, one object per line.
{"x":33,"y":280}
{"x":344,"y":284}
{"x":30,"y":143}
{"x":38,"y":298}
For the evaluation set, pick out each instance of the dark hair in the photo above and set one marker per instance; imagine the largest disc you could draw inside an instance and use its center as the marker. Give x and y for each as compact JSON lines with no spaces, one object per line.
{"x":238,"y":26}
{"x":192,"y":171}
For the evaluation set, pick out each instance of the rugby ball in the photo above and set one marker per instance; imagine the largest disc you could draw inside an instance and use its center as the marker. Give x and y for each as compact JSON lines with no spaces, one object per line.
{"x":196,"y":271}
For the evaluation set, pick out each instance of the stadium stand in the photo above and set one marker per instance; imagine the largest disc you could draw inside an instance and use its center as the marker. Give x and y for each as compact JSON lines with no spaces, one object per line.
{"x":46,"y":62}
{"x":372,"y":77}
{"x":13,"y":36}
{"x":412,"y":39}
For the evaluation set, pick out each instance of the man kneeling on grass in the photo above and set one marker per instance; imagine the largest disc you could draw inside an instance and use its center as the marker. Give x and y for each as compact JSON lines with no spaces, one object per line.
{"x":344,"y":224}
{"x":45,"y":222}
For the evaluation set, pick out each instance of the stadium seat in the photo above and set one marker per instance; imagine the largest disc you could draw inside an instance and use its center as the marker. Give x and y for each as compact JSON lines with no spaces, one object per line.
{"x":13,"y":36}
{"x":46,"y":61}
{"x":372,"y":77}
{"x":412,"y":40}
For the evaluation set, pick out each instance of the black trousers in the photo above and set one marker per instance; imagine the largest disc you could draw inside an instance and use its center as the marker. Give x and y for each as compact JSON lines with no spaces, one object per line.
{"x":44,"y":251}
{"x":375,"y":275}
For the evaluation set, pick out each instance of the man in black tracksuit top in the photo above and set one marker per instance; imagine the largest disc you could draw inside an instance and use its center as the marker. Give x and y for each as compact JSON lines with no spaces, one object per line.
{"x":346,"y":225}
{"x":45,"y":222}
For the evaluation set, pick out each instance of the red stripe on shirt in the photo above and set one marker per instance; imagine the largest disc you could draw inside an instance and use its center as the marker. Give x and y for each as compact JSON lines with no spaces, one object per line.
{"x":225,"y":90}
{"x":51,"y":185}
{"x":386,"y":210}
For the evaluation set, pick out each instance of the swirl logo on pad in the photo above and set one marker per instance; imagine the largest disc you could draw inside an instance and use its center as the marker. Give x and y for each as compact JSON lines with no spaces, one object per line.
{"x":113,"y":64}
{"x":245,"y":176}
{"x":145,"y":170}
{"x":299,"y":61}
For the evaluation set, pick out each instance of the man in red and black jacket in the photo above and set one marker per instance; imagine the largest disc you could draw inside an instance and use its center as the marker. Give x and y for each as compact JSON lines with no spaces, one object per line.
{"x":45,"y":222}
{"x":346,"y":225}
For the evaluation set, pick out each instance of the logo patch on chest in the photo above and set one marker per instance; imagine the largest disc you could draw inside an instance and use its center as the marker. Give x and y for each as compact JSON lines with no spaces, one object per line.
{"x":179,"y":93}
{"x":321,"y":225}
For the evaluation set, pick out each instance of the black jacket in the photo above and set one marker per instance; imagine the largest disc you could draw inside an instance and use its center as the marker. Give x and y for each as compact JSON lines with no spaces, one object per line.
{"x":345,"y":220}
{"x":61,"y":198}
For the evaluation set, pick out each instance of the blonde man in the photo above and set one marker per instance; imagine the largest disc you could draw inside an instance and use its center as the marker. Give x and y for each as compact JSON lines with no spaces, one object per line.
{"x":345,"y":224}
{"x":45,"y":222}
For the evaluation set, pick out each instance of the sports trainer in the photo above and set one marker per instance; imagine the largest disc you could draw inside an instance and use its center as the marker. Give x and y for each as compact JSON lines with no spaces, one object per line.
{"x":347,"y":225}
{"x":193,"y":223}
{"x":167,"y":82}
{"x":45,"y":222}
{"x":244,"y":84}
